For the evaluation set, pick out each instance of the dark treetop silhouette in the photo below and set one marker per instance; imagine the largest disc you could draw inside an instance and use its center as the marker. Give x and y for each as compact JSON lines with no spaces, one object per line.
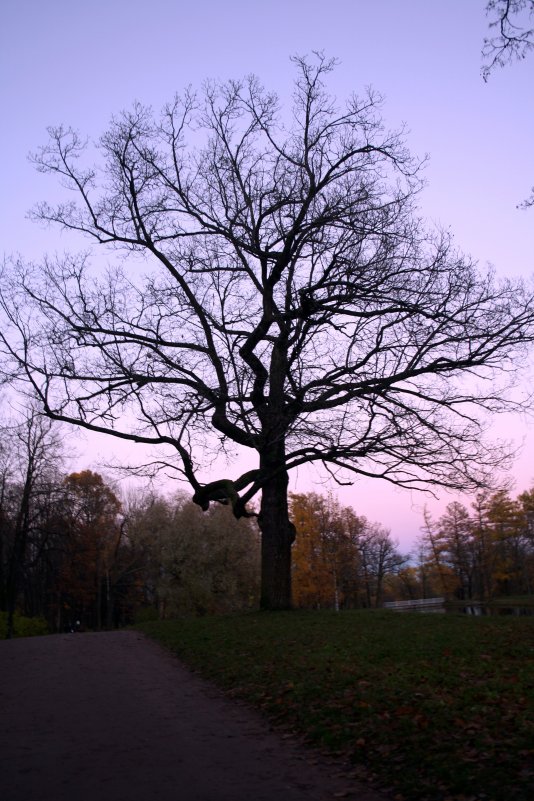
{"x":290,"y":301}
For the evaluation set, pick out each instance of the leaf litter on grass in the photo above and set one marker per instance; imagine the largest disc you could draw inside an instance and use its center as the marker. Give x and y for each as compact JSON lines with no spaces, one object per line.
{"x":434,"y":707}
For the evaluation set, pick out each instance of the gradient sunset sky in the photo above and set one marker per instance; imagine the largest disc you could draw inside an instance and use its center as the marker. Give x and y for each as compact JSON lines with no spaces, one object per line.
{"x":78,"y":63}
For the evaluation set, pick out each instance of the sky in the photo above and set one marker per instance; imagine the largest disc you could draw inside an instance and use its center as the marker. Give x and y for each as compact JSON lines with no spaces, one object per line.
{"x":80,"y":63}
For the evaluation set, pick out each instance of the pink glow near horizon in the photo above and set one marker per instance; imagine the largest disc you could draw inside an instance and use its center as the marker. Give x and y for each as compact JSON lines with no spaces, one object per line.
{"x":80,"y":63}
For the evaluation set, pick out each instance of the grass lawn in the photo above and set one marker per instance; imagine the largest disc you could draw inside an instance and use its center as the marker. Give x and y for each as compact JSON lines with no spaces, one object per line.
{"x":428,"y":706}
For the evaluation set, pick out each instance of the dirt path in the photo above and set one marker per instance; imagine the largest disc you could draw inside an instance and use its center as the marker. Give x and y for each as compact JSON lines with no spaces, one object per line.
{"x":113,"y":717}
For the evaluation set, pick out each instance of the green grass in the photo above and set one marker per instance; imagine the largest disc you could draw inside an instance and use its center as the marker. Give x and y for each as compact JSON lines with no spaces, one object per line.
{"x":429,"y":706}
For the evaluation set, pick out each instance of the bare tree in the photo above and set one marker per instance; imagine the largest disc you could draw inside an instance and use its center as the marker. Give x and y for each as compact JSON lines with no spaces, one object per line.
{"x":35,"y":449}
{"x":379,"y":557}
{"x":513,"y":39}
{"x":513,"y":20}
{"x":290,"y":301}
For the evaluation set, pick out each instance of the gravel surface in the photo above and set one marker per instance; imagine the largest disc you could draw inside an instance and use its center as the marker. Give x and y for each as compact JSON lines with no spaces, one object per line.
{"x":114,"y":717}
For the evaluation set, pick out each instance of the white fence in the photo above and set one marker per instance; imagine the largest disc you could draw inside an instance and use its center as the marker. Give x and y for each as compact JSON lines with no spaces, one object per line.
{"x":417,"y":605}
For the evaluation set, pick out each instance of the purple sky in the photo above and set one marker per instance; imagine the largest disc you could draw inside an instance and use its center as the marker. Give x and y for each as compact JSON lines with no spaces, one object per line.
{"x":78,"y":63}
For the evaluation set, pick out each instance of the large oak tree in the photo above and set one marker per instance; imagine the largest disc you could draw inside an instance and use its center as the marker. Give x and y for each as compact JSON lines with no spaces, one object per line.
{"x":278,"y":291}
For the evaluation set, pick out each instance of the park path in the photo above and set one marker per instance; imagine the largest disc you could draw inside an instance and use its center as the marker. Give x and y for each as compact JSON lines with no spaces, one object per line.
{"x":114,"y":717}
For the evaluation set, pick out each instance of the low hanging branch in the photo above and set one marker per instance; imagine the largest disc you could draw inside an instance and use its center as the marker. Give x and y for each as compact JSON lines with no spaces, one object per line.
{"x":226,"y":492}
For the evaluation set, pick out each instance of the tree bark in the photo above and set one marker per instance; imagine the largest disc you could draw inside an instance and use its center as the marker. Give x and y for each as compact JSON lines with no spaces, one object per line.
{"x":277,"y":536}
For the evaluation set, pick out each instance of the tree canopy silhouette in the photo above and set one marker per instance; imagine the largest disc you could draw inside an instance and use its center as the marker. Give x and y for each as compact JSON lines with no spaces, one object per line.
{"x":290,"y":301}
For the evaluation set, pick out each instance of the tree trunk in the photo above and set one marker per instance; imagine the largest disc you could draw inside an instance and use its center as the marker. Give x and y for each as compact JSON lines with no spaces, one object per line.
{"x":277,"y":536}
{"x":98,"y":594}
{"x":16,"y":562}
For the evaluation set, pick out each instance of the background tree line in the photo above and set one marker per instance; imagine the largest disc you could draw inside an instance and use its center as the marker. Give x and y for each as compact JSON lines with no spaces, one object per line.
{"x":72,"y":551}
{"x":75,"y":553}
{"x":62,"y":554}
{"x":480,"y":553}
{"x":340,"y":559}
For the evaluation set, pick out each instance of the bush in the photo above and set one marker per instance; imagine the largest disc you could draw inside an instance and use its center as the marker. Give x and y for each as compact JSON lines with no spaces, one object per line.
{"x":24,"y":626}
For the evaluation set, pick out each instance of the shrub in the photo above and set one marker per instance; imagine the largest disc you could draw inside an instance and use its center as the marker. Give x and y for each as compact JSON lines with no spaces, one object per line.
{"x":24,"y":626}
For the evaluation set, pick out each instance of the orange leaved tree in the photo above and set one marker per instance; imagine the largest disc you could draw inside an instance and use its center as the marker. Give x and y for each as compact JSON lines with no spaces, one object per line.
{"x":92,"y":522}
